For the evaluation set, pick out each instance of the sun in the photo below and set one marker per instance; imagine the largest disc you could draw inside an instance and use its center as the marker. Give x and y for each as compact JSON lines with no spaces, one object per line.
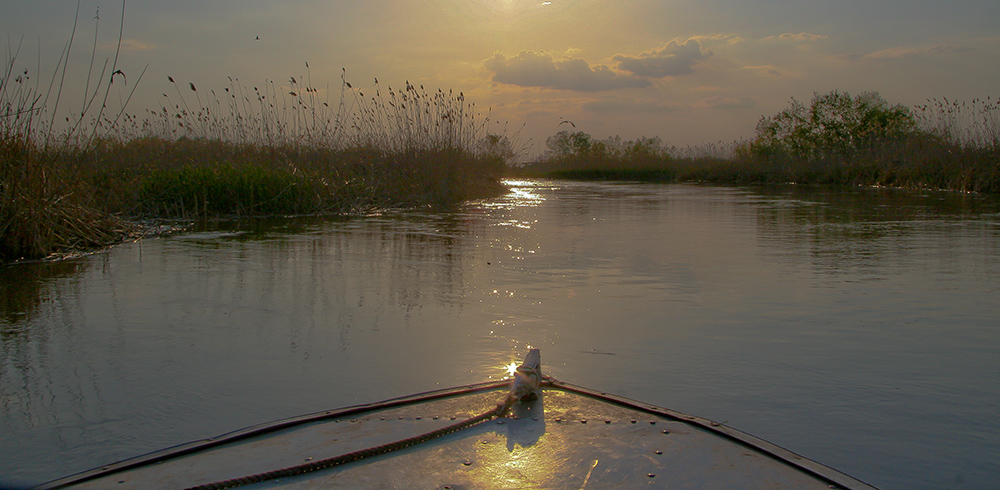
{"x":511,"y":369}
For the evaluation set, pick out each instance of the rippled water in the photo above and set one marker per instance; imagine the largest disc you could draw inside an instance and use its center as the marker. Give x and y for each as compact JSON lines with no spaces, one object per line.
{"x":858,"y":328}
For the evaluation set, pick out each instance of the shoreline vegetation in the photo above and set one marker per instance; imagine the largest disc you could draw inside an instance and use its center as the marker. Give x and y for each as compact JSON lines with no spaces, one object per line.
{"x":89,"y":180}
{"x":69,"y":193}
{"x":101,"y":176}
{"x":835,"y":140}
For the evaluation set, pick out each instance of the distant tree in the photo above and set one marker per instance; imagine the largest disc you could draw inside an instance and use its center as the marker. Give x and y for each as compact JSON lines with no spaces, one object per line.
{"x":832,"y":123}
{"x":565,"y":144}
{"x":498,"y":146}
{"x":644,"y":148}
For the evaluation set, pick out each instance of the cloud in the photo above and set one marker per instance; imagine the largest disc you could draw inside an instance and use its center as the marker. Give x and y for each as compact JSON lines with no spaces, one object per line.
{"x":673,"y":59}
{"x":948,"y":49}
{"x":796,"y":37}
{"x":625,"y":104}
{"x":769,"y":70}
{"x":716,"y":39}
{"x":536,"y":69}
{"x":899,"y":53}
{"x":633,"y":106}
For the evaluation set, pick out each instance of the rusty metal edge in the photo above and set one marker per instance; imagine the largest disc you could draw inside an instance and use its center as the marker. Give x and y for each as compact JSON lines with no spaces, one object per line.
{"x":261,"y":429}
{"x":819,"y":470}
{"x":823,"y":472}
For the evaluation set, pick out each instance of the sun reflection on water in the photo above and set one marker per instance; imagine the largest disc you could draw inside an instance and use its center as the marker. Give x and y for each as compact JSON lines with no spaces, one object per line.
{"x":521,"y":193}
{"x":525,"y":196}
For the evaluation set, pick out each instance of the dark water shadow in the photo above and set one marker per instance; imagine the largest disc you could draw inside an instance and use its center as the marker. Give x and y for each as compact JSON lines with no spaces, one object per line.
{"x":25,"y":287}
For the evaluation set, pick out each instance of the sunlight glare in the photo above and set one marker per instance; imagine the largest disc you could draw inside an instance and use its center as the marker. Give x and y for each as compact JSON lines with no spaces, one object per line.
{"x":516,"y":8}
{"x":511,"y":369}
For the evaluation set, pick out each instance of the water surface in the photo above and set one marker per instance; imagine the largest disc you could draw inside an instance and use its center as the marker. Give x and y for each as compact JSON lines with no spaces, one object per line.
{"x":858,"y":328}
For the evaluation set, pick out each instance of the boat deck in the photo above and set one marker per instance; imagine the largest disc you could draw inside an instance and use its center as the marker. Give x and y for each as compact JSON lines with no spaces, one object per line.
{"x":570,"y":437}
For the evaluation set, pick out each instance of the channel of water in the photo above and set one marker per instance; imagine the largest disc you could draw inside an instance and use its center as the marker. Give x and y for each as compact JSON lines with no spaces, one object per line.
{"x":859,"y":328}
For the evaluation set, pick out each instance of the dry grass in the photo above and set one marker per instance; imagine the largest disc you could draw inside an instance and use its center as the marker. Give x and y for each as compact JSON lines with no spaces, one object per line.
{"x":239,"y":151}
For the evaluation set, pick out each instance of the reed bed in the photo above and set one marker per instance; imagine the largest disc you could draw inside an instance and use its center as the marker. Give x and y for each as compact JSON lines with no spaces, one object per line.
{"x":973,"y":124}
{"x":86,"y":180}
{"x":284,"y":158}
{"x":292,"y":151}
{"x":45,"y":207}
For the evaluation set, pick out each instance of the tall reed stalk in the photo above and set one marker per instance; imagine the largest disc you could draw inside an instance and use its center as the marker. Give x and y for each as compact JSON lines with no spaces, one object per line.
{"x":44,"y":206}
{"x":973,"y":124}
{"x":244,"y":150}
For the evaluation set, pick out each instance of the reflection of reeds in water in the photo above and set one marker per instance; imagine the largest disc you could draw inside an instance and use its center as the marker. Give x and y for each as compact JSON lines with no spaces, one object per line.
{"x":23,"y":288}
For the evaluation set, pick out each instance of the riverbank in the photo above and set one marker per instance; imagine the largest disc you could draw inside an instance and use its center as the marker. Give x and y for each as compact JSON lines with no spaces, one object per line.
{"x":837,"y":140}
{"x":58,"y":199}
{"x":914,"y":164}
{"x":86,"y":187}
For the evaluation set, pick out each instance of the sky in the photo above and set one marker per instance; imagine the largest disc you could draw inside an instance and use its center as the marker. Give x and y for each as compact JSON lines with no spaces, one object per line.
{"x":688,"y":72}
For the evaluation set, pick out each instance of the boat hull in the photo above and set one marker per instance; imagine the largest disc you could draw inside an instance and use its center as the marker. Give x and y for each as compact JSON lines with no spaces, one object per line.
{"x":569,"y":437}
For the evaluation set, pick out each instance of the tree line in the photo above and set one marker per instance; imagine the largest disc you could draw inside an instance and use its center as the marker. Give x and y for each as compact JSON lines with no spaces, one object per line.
{"x":835,"y":139}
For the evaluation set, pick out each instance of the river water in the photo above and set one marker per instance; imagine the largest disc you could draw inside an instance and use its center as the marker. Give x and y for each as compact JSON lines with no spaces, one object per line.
{"x":859,"y":328}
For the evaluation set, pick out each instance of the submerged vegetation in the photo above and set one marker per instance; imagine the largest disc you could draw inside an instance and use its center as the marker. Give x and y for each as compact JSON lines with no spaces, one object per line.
{"x":835,"y":140}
